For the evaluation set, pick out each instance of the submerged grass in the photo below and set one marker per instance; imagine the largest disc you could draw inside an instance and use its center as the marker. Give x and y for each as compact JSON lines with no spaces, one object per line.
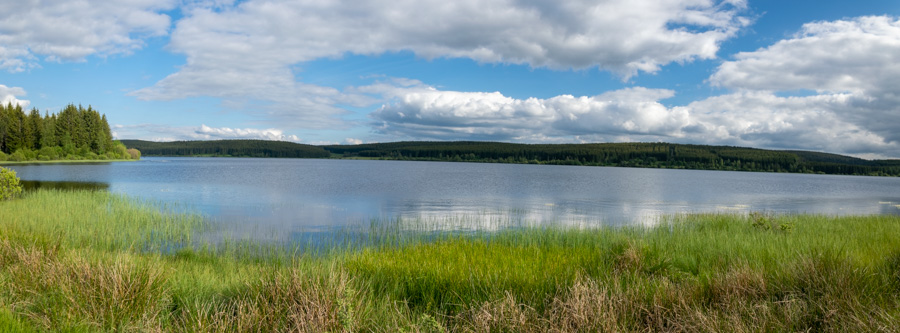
{"x":94,"y":261}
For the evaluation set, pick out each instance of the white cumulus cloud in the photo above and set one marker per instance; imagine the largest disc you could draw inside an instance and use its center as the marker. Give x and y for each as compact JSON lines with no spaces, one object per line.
{"x":859,"y":57}
{"x":11,"y":95}
{"x":763,"y":119}
{"x":756,"y":119}
{"x":213,"y":133}
{"x":353,"y":141}
{"x":248,"y":51}
{"x":71,"y":30}
{"x":861,"y":54}
{"x":158,"y":132}
{"x":425,"y":112}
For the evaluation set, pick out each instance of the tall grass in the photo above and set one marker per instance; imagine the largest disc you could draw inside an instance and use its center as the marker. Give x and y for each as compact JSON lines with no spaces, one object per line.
{"x":96,"y":220}
{"x":93,"y":261}
{"x":837,"y":270}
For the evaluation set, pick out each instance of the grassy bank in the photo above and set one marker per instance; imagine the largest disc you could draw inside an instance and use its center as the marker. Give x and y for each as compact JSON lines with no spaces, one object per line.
{"x":62,"y":162}
{"x":89,"y":261}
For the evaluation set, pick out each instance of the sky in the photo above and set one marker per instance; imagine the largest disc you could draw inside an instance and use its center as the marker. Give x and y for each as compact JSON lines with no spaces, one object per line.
{"x":799,"y":75}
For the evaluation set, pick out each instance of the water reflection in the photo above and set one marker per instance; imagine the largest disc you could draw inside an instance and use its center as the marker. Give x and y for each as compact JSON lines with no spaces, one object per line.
{"x":290,"y":198}
{"x":889,"y":208}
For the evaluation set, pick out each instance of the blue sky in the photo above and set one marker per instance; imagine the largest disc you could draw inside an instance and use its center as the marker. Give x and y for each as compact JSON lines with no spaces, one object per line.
{"x":811,"y":75}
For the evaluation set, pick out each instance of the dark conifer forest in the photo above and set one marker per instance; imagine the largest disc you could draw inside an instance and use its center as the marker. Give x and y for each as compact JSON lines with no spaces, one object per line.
{"x":228,"y":148}
{"x":644,"y":155}
{"x":75,"y":133}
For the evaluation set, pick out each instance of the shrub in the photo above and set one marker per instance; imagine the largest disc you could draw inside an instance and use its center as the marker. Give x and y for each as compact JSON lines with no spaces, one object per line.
{"x":134,"y":153}
{"x":120,"y":150}
{"x":9,"y":184}
{"x":52,"y":153}
{"x":30,"y":155}
{"x":18,"y":156}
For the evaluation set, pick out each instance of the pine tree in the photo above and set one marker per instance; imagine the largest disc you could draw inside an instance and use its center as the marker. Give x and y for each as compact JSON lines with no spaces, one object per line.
{"x":65,"y":125}
{"x":15,"y":128}
{"x":48,"y":133}
{"x":36,"y":122}
{"x":29,"y":130}
{"x":4,"y":127}
{"x":107,"y":132}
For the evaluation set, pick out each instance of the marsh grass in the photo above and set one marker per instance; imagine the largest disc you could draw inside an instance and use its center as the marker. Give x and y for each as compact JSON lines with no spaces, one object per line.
{"x":96,"y":220}
{"x":94,"y":261}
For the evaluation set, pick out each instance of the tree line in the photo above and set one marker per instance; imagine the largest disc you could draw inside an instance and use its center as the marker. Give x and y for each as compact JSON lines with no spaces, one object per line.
{"x":647,"y":155}
{"x":74,"y":133}
{"x":228,"y":148}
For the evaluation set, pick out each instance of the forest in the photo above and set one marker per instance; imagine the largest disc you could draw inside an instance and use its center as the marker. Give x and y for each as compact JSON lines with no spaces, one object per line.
{"x":75,"y":133}
{"x":228,"y":148}
{"x":644,"y":155}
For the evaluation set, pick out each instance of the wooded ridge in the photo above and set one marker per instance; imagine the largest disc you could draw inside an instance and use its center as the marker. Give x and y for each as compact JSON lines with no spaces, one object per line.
{"x":228,"y":148}
{"x":647,"y":155}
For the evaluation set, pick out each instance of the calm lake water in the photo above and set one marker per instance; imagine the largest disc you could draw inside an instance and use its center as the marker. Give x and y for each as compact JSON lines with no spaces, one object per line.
{"x":282,"y":198}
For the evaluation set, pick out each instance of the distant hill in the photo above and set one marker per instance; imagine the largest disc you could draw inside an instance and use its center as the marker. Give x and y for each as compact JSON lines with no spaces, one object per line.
{"x":645,"y":155}
{"x":227,"y":148}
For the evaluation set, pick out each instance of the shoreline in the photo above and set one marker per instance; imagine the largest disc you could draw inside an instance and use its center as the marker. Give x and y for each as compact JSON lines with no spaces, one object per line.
{"x":358,"y":158}
{"x":2,"y":163}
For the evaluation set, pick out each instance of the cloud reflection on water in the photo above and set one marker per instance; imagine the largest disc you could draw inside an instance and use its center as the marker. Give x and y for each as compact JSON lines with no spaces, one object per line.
{"x":283,"y":199}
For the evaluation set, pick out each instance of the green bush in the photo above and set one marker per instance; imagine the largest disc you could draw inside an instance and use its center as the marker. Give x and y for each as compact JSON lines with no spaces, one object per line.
{"x":9,"y":184}
{"x":120,"y":150}
{"x":30,"y":155}
{"x":52,"y":153}
{"x":18,"y":156}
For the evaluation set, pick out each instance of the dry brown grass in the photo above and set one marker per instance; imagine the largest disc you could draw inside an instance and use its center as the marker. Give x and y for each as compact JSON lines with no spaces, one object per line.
{"x":740,"y":299}
{"x":587,"y":307}
{"x":737,"y":285}
{"x":293,"y":303}
{"x":502,"y":315}
{"x":630,"y":260}
{"x":51,"y":288}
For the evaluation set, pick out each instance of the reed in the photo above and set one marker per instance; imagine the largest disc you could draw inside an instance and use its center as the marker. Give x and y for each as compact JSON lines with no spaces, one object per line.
{"x":97,"y":220}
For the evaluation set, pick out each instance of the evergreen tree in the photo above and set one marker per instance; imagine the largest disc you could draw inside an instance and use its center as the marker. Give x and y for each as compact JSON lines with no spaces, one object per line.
{"x":48,"y":132}
{"x":107,"y":132}
{"x":15,"y":128}
{"x":65,"y":125}
{"x":36,"y":125}
{"x":74,"y":132}
{"x":4,"y":127}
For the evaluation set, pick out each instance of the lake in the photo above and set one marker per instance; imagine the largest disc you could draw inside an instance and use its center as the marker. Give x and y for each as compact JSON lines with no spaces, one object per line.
{"x":283,"y":198}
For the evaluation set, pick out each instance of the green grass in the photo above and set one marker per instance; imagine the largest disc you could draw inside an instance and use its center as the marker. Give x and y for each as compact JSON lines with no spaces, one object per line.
{"x":95,"y":220}
{"x":86,"y":261}
{"x":61,"y":162}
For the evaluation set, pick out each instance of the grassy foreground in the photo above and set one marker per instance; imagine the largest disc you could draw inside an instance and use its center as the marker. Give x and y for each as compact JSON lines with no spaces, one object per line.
{"x":92,"y":261}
